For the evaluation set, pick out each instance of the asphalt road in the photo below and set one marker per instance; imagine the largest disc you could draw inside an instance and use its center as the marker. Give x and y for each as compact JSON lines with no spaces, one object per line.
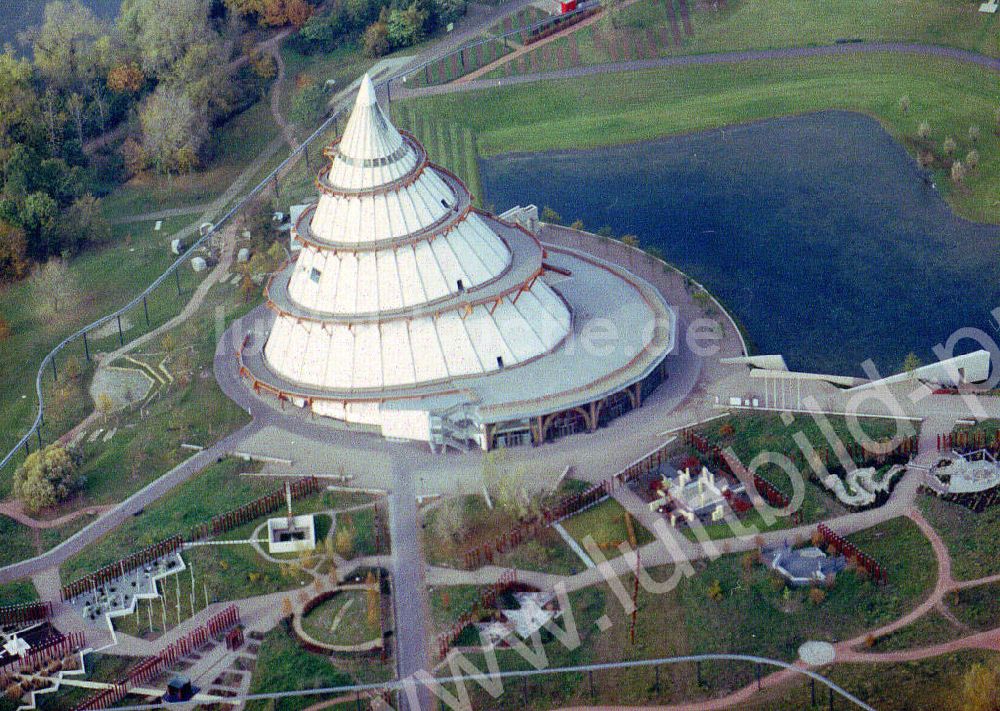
{"x":409,"y":574}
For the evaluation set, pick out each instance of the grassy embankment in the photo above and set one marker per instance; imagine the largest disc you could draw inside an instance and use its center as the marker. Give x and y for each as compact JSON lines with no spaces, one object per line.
{"x":611,"y":109}
{"x":642,"y":30}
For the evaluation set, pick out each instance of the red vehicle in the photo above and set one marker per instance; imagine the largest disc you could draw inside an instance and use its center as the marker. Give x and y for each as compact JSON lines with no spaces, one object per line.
{"x":567,"y":6}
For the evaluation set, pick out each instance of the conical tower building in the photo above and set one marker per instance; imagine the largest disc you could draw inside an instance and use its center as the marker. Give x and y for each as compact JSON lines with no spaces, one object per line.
{"x":404,"y":297}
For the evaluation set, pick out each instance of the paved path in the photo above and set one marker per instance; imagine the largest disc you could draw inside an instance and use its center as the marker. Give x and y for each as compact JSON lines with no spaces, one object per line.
{"x":409,"y":583}
{"x":163,"y":214}
{"x":707,"y":59}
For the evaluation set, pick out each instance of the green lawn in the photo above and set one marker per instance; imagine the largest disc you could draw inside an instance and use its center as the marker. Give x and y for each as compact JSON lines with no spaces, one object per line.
{"x":642,"y":30}
{"x":449,"y":602}
{"x":282,"y":666}
{"x":21,"y":542}
{"x":353,"y":626}
{"x":977,"y":607}
{"x":971,"y":538}
{"x":927,"y":685}
{"x":605,"y":522}
{"x":17,"y":592}
{"x":217,"y":488}
{"x":193,"y":410}
{"x":764,"y":24}
{"x":545,"y":552}
{"x":932,"y":628}
{"x":610,"y":109}
{"x":122,"y":269}
{"x":755,"y":616}
{"x":773,"y":24}
{"x":360,"y":526}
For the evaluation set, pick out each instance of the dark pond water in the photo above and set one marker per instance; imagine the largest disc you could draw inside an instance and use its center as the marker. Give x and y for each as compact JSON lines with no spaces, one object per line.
{"x":818,"y":232}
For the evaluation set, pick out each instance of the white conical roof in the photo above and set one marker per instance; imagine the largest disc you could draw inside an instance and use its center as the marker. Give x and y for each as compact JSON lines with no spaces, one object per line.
{"x":369,"y":134}
{"x":371,"y":152}
{"x":399,"y":281}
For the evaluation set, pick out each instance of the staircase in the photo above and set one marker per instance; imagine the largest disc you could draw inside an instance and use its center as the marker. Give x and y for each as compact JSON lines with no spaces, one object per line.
{"x":455,"y":428}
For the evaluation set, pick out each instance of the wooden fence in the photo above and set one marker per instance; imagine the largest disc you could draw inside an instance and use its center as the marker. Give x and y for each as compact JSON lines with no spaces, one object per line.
{"x":217,"y":626}
{"x":122,"y":567}
{"x":55,"y":647}
{"x":266,"y":504}
{"x":25,"y":614}
{"x":837,"y":544}
{"x":487,"y":601}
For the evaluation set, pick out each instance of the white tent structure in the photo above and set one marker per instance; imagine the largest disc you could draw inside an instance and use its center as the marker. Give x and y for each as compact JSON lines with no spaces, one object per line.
{"x":405,"y":301}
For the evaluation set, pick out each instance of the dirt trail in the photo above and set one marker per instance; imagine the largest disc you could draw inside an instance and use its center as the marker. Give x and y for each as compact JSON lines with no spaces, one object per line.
{"x":12,"y":508}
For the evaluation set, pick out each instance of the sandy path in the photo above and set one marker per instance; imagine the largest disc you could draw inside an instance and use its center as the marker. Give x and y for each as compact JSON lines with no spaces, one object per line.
{"x":12,"y":508}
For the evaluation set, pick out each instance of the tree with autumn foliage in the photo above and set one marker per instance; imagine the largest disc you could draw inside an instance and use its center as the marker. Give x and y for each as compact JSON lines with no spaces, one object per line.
{"x":126,"y":78}
{"x":273,"y":13}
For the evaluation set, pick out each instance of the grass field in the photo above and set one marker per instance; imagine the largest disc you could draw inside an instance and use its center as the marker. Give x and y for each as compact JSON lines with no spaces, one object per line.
{"x":970,"y":537}
{"x":18,"y":593}
{"x":353,"y":625}
{"x":479,"y":523}
{"x":927,"y":685}
{"x":605,"y":522}
{"x":449,"y":602}
{"x":752,"y":616}
{"x":607,"y":110}
{"x":656,"y":28}
{"x":122,"y":269}
{"x":282,"y":665}
{"x":756,"y":616}
{"x":932,"y":628}
{"x":217,"y":488}
{"x":977,"y":607}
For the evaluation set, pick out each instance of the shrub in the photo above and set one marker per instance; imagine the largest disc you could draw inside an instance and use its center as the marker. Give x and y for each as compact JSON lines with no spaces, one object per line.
{"x":551,"y":216}
{"x":949,"y":146}
{"x":817,"y":596}
{"x":47,"y":477}
{"x":924,"y":130}
{"x":972,"y":159}
{"x":957,"y":172}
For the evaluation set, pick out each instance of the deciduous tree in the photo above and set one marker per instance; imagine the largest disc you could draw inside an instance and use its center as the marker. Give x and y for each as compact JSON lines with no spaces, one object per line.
{"x":53,"y":287}
{"x":46,"y":477}
{"x":126,"y":78}
{"x":13,"y":253}
{"x":376,"y":39}
{"x":66,"y":46}
{"x":171,"y":124}
{"x":162,"y":30}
